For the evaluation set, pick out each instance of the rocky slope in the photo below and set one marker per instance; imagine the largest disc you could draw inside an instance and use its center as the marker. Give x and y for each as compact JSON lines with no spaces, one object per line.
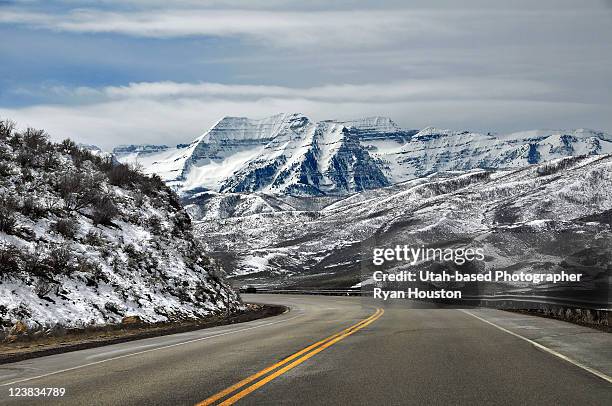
{"x":86,"y":241}
{"x":291,"y":154}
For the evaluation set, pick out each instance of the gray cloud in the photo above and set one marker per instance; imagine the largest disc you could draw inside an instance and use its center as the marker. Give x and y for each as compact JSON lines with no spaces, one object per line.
{"x":480,"y":65}
{"x":288,"y":29}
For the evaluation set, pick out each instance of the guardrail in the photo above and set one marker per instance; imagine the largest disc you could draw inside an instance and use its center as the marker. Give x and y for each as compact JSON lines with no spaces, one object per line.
{"x":325,"y":292}
{"x":538,"y":299}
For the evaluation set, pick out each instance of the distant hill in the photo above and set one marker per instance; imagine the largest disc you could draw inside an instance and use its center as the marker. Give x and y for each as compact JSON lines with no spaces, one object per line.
{"x":550,"y":216}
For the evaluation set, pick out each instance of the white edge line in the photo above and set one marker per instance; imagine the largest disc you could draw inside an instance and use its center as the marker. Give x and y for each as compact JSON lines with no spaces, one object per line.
{"x":145,"y":351}
{"x":545,"y":349}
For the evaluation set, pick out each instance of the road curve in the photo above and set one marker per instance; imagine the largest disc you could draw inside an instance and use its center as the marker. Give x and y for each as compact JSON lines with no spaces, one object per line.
{"x":326,"y":350}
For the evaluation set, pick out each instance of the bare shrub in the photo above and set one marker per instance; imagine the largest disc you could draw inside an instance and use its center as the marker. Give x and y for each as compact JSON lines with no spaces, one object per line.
{"x":6,"y":156}
{"x":139,"y":199}
{"x":59,"y":259}
{"x":8,"y":219}
{"x":92,"y":270}
{"x":31,"y":208}
{"x":150,"y":185}
{"x":122,"y":175}
{"x":5,"y":169}
{"x":182,"y":223}
{"x":80,"y":156}
{"x":94,"y":238}
{"x":27,"y":174}
{"x":26,"y":158}
{"x":78,"y":190}
{"x":67,"y":146}
{"x":104,"y":211}
{"x":32,"y":148}
{"x":9,"y":259}
{"x":43,"y":287}
{"x":34,"y":264}
{"x":50,"y":160}
{"x":67,"y":227}
{"x":155,"y":225}
{"x":36,"y":140}
{"x":7,"y":127}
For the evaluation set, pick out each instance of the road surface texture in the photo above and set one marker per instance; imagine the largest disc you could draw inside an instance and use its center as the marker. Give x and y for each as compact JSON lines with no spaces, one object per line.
{"x":395,"y":356}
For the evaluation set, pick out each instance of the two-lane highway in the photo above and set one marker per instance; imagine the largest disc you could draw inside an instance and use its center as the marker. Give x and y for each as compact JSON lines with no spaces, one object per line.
{"x":326,"y":350}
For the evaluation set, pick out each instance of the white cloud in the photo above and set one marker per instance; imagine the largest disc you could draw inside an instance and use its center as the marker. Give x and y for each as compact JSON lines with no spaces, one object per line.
{"x":423,"y":89}
{"x":347,"y":28}
{"x":168,"y":112}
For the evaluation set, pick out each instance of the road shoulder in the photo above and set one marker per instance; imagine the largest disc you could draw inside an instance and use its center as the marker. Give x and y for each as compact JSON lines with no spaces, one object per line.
{"x":80,"y":340}
{"x":583,"y":345}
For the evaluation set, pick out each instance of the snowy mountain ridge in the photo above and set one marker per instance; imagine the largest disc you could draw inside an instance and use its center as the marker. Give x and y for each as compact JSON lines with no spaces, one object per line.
{"x":291,"y":154}
{"x":553,"y":215}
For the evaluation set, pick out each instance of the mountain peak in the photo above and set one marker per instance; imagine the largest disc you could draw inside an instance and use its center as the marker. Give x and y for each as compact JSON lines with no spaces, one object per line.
{"x":430,"y":130}
{"x":379,"y":124}
{"x":587,"y":132}
{"x":243,"y":128}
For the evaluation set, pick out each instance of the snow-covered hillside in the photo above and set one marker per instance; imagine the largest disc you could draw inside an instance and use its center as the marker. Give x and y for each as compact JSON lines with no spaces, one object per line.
{"x":291,"y":154}
{"x":84,"y":240}
{"x":555,"y":214}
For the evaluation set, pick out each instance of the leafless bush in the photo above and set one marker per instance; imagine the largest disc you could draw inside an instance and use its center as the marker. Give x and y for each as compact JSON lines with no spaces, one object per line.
{"x":67,"y":227}
{"x":27,"y":174}
{"x":9,"y":259}
{"x":59,"y":260}
{"x":80,"y":156}
{"x":6,"y":156}
{"x":150,"y":185}
{"x":33,"y":264}
{"x":139,"y":198}
{"x":50,"y":160}
{"x":155,"y":225}
{"x":78,"y":190}
{"x":122,"y":175}
{"x":182,"y":223}
{"x":67,"y":146}
{"x":92,"y":269}
{"x":7,"y":128}
{"x":5,"y":169}
{"x":8,"y":219}
{"x":104,"y":211}
{"x":94,"y":238}
{"x":26,"y":158}
{"x":31,"y":208}
{"x":550,"y":168}
{"x":33,"y":149}
{"x":43,"y":287}
{"x":35,"y":140}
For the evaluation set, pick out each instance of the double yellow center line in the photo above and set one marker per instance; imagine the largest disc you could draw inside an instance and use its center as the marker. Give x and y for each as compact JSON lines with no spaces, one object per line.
{"x":289,"y":363}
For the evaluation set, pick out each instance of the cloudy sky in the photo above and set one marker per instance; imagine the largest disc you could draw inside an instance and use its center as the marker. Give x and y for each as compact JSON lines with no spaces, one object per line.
{"x":133,"y":71}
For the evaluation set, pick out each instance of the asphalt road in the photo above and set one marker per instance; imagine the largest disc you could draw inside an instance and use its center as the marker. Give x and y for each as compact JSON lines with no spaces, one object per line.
{"x":399,"y":357}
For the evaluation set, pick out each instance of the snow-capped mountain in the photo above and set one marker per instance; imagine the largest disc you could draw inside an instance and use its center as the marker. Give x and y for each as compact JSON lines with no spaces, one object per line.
{"x":291,"y":154}
{"x":433,"y":150}
{"x":554,"y":215}
{"x":143,"y":149}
